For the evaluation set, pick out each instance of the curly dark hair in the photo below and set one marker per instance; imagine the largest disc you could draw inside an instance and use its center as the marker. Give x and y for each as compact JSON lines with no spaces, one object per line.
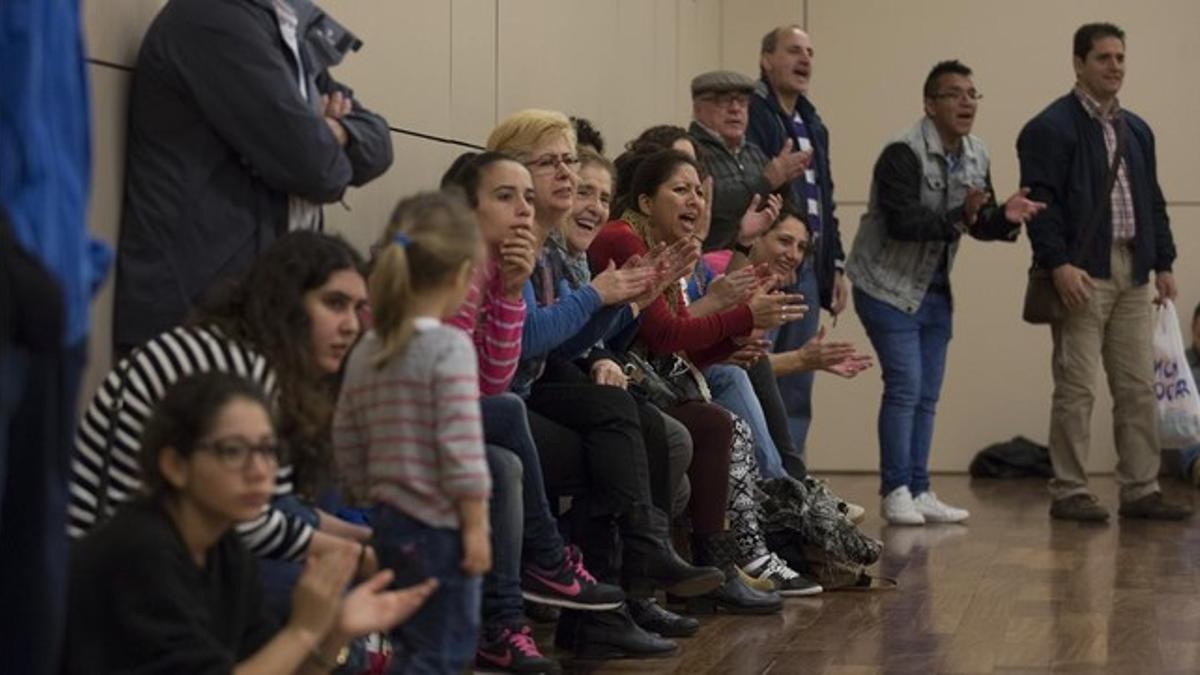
{"x":264,"y":310}
{"x":587,"y":135}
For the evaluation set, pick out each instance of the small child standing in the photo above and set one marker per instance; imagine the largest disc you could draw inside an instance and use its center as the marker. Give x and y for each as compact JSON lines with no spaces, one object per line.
{"x":407,"y":433}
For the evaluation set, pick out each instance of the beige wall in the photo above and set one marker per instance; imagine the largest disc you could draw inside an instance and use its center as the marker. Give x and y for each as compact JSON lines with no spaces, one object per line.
{"x":453,"y":67}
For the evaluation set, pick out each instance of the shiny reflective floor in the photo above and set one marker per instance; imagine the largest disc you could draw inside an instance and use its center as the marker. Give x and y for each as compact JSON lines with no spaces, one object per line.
{"x":1012,"y":592}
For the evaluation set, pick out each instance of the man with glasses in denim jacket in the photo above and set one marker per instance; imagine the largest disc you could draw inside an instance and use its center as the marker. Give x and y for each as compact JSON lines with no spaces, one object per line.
{"x":931,"y":185}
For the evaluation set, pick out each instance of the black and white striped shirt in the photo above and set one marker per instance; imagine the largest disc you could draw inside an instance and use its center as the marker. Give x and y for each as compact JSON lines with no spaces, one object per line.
{"x":128,"y":396}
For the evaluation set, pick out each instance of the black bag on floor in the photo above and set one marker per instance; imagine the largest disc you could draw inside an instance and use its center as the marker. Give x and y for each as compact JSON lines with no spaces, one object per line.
{"x":1018,"y":458}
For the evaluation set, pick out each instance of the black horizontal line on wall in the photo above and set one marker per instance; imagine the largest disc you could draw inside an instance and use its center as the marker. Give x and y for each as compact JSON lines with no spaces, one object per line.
{"x":397,"y":130}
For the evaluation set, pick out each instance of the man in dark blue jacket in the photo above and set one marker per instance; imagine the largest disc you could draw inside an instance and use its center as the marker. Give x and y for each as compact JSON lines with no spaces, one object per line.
{"x":237,"y":134}
{"x":1065,"y":154}
{"x":781,"y":113}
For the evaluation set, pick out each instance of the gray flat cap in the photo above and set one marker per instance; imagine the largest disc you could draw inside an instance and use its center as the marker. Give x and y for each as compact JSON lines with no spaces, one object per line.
{"x":720,"y":82}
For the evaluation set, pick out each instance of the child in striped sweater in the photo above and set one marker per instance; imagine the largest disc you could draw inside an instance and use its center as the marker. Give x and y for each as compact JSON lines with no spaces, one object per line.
{"x":407,"y":432}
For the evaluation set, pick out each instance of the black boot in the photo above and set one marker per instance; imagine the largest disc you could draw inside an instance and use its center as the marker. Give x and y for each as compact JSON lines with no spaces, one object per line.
{"x":657,"y":619}
{"x":733,"y":596}
{"x":600,"y":636}
{"x":649,"y":561}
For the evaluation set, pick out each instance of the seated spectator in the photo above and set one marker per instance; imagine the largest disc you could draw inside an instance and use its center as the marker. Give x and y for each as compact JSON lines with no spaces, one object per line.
{"x":668,"y":205}
{"x":287,"y":325}
{"x":166,"y":586}
{"x":237,"y":134}
{"x":589,"y":435}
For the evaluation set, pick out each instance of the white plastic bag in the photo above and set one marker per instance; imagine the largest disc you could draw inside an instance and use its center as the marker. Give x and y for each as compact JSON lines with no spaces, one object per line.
{"x":1174,"y":387}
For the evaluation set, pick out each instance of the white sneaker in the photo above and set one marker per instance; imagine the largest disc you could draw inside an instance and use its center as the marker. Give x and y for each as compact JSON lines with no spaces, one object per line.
{"x":937,"y":511}
{"x":898,"y":508}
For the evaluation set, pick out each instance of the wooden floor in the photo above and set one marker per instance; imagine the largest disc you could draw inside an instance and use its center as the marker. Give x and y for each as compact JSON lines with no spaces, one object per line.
{"x":1013,"y":592}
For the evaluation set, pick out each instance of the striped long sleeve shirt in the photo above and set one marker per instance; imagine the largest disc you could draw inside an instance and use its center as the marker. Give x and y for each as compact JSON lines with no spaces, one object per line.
{"x":496,"y":324}
{"x":410,"y":434}
{"x":108,"y":439}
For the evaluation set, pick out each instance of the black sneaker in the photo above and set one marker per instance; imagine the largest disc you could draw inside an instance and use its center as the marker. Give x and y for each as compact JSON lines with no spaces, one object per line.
{"x":653,"y":617}
{"x":512,"y":649}
{"x":570,"y":586}
{"x":1154,"y":507}
{"x":788,"y":582}
{"x":1081,"y":507}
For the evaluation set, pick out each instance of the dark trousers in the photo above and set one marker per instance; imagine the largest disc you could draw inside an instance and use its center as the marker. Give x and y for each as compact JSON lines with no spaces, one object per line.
{"x":712,"y":439}
{"x":766,"y":387}
{"x":38,"y":394}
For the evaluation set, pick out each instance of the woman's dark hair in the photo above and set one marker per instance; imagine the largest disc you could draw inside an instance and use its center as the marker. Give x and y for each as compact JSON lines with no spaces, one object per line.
{"x":466,"y":173}
{"x":185,"y":415}
{"x":587,"y":135}
{"x":789,"y":210}
{"x":265,"y":311}
{"x":655,"y":169}
{"x":650,"y":141}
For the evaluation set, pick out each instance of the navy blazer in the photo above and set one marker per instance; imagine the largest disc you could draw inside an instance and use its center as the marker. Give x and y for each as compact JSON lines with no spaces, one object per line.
{"x":1064,"y":163}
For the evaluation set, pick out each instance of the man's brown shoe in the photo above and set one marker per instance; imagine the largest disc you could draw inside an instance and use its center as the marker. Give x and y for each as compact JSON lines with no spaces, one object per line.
{"x":1154,"y":507}
{"x":1081,"y":507}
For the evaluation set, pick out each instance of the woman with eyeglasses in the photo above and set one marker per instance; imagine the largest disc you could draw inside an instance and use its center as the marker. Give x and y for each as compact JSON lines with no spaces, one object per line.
{"x":589,"y":433}
{"x":167,"y":586}
{"x":287,"y":325}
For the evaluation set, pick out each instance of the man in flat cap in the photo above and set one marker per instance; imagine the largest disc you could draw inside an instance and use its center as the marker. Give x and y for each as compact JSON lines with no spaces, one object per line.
{"x":740,"y":170}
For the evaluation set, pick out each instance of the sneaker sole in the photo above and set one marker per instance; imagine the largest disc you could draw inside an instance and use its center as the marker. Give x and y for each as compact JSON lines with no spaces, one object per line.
{"x":905,"y":523}
{"x":802,"y":592}
{"x":560,"y":601}
{"x":946,"y":521}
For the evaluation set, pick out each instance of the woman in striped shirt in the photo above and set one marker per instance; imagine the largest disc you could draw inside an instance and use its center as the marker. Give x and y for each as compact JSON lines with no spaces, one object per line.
{"x":287,"y":325}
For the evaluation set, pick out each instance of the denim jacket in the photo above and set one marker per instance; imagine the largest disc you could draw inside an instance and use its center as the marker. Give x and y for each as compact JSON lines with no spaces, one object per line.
{"x":898,"y":271}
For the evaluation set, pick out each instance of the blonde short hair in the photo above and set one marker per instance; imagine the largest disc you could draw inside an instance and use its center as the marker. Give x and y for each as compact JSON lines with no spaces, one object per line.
{"x":519,"y":133}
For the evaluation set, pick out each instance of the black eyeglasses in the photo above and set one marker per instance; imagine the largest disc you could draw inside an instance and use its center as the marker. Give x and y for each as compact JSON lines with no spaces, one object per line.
{"x":235,"y":453}
{"x":969,"y":95}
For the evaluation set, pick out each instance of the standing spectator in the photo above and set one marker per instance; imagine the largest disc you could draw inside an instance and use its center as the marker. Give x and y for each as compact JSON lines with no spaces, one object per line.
{"x":1067,"y":152}
{"x":781,"y":114}
{"x":932,"y":185}
{"x":50,"y":271}
{"x":236,"y":136}
{"x":408,"y":430}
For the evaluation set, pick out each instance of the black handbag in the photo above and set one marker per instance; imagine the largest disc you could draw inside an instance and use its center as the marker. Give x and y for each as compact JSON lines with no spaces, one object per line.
{"x":665,"y":382}
{"x":1042,"y":302}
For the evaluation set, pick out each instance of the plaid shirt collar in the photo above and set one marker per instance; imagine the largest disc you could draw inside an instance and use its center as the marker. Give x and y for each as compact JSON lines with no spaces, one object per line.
{"x":1093,"y":107}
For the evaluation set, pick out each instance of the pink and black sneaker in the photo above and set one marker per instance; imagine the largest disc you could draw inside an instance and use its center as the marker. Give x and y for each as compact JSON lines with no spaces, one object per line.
{"x":512,"y":649}
{"x":570,"y":586}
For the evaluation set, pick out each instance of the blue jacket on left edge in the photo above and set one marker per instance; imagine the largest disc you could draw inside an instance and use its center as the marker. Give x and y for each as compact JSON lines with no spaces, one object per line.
{"x":769,"y":127}
{"x":1064,"y":162}
{"x":45,"y":151}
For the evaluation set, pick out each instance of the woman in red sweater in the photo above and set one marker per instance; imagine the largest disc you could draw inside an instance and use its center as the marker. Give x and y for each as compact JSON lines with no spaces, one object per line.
{"x":667,"y":204}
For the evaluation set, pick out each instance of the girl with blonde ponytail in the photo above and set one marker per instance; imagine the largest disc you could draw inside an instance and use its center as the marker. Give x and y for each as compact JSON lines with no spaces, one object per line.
{"x":407,"y":433}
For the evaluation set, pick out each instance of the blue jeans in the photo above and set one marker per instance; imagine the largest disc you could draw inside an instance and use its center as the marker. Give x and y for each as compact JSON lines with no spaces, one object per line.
{"x":732,"y":390}
{"x":38,"y":394}
{"x":912,"y":356}
{"x":443,"y":635}
{"x":522,"y":521}
{"x":796,"y":390}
